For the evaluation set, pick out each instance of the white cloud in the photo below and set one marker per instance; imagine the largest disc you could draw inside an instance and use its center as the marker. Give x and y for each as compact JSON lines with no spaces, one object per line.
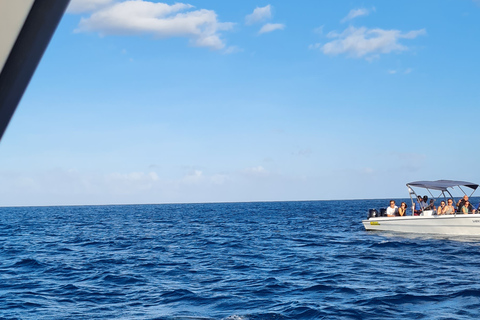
{"x":318,"y":30}
{"x":269,"y":27}
{"x":258,"y":171}
{"x":363,"y":42}
{"x":259,"y":15}
{"x":219,"y":179}
{"x":129,"y":183}
{"x":81,"y":6}
{"x":355,"y":13}
{"x":232,"y":49}
{"x":193,"y":178}
{"x":67,"y":187}
{"x":137,"y":17}
{"x":406,"y":71}
{"x":196,"y":177}
{"x":132,"y":177}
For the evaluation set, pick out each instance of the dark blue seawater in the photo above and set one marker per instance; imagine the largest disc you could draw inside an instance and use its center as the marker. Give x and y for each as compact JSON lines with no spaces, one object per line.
{"x":280,"y":260}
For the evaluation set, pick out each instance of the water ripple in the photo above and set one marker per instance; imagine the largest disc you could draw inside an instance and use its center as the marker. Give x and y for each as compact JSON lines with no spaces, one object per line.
{"x":280,"y":260}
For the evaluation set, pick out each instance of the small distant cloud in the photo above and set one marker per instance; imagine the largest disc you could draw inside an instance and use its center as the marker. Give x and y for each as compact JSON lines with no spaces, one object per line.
{"x":318,"y":30}
{"x":368,"y":43}
{"x":133,"y":176}
{"x":255,"y":171}
{"x":406,"y":71}
{"x":269,"y":27}
{"x":192,"y":178}
{"x":82,"y":6}
{"x":197,"y":177}
{"x":413,"y":34}
{"x":219,"y":179}
{"x":260,"y":14}
{"x":161,"y":20}
{"x":232,"y":49}
{"x":355,"y":13}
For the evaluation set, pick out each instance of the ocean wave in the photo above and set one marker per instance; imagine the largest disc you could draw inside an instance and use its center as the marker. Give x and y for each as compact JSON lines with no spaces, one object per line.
{"x":228,"y":261}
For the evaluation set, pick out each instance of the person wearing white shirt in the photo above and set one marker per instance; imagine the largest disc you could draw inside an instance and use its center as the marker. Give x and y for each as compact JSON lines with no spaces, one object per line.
{"x":392,"y":210}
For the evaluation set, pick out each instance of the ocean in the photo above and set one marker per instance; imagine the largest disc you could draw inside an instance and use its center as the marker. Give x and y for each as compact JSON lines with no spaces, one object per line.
{"x":269,"y":260}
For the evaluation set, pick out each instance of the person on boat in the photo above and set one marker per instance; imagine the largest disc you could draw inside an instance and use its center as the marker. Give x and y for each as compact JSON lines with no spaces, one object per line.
{"x":449,"y":208}
{"x":467,"y":208}
{"x":442,"y":208}
{"x":402,"y":211}
{"x":392,"y":209}
{"x":461,"y":202}
{"x":431,"y":205}
{"x":419,"y":206}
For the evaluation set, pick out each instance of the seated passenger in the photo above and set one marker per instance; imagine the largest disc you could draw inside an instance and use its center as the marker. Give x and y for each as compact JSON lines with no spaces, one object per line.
{"x":418,"y":206}
{"x":449,"y":209}
{"x":441,"y":210}
{"x":392,"y":209}
{"x":431,"y":205}
{"x":461,"y":202}
{"x":402,"y":211}
{"x":467,"y":208}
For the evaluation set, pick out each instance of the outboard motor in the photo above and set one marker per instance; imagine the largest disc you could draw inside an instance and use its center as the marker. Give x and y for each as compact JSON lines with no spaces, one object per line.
{"x":372,"y":213}
{"x":383,"y":212}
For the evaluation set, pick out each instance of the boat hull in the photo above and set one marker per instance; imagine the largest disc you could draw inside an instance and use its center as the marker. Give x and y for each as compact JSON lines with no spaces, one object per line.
{"x":450,"y":224}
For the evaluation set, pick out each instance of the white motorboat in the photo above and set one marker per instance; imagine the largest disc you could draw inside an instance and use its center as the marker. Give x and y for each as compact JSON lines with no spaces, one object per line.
{"x":426,"y":220}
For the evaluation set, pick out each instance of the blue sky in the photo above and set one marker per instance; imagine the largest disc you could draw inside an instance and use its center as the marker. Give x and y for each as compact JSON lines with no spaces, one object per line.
{"x":212,"y":101}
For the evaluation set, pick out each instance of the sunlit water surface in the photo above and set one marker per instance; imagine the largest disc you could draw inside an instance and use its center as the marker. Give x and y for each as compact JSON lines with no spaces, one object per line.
{"x":277,"y":260}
